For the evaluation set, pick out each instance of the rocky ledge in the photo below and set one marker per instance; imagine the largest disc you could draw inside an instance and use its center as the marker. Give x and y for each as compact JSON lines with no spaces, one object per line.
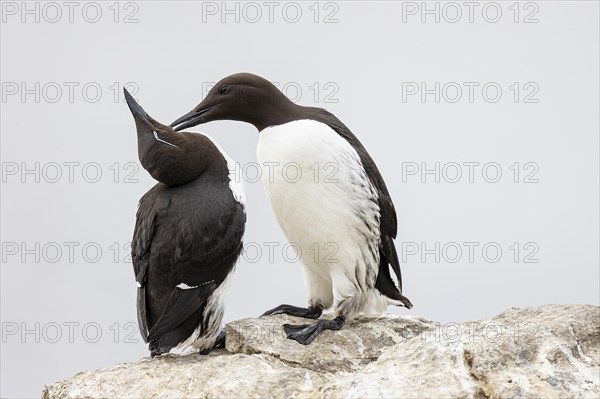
{"x":549,"y":351}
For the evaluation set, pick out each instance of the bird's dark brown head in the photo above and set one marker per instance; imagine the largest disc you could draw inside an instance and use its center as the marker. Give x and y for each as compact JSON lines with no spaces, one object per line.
{"x":144,"y":122}
{"x":171,"y":157}
{"x":241,"y":97}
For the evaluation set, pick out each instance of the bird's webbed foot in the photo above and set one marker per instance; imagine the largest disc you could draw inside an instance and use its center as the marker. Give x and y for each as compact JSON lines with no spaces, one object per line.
{"x":306,"y":333}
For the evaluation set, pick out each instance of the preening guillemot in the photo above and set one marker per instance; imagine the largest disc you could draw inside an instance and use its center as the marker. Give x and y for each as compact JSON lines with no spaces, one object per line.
{"x":187,"y":238}
{"x":349,"y":210}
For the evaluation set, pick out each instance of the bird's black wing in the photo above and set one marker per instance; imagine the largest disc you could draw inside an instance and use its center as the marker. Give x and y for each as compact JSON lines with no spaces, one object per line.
{"x":186,"y":242}
{"x":388,"y":221}
{"x":205,"y":248}
{"x":145,"y":227}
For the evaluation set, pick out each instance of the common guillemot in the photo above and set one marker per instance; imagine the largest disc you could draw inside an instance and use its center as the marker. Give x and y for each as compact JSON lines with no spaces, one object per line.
{"x":352,"y":211}
{"x":187,"y":237}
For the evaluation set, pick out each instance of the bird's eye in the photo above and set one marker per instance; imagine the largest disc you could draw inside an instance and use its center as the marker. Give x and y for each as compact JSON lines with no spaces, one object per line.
{"x":224,"y":89}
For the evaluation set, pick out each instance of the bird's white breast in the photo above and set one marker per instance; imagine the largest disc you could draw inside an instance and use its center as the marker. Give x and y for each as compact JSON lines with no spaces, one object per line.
{"x":235,"y":184}
{"x":320,"y":194}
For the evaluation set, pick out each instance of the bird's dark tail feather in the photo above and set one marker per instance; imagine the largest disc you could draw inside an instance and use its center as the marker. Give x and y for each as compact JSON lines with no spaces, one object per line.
{"x":384,"y":283}
{"x":406,"y":301}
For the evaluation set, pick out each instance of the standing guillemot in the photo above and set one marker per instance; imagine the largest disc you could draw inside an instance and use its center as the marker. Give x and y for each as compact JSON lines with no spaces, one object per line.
{"x":352,"y":211}
{"x":187,"y":238}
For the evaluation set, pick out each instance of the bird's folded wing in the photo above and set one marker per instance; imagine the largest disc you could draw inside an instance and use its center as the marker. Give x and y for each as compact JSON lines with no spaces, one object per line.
{"x":140,"y":254}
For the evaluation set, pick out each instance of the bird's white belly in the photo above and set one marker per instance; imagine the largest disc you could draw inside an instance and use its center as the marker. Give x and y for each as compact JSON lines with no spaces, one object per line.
{"x":323,"y":202}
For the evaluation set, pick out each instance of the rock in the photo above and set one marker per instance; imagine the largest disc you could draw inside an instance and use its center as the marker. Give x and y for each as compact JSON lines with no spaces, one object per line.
{"x":548,"y":351}
{"x":359,"y":343}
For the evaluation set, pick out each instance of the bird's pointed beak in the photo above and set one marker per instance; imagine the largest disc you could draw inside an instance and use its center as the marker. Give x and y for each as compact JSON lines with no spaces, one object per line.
{"x":136,"y":109}
{"x":192,"y":118}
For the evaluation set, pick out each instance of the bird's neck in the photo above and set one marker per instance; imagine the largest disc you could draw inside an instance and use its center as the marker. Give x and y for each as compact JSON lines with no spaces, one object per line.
{"x":279,"y":112}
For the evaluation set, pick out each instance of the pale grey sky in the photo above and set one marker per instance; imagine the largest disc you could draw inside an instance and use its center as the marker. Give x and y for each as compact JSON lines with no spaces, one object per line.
{"x":443,"y":107}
